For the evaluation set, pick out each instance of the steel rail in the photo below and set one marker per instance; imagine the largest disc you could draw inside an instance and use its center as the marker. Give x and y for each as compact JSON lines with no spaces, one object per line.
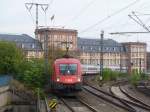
{"x":122,"y":101}
{"x":126,"y":107}
{"x":80,"y":101}
{"x":135,"y":99}
{"x":131,"y":103}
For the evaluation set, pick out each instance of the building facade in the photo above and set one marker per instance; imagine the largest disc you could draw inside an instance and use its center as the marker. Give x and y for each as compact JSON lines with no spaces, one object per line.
{"x":113,"y":53}
{"x":58,"y":38}
{"x":136,"y":54}
{"x":31,"y":47}
{"x":148,"y":61}
{"x":128,"y":56}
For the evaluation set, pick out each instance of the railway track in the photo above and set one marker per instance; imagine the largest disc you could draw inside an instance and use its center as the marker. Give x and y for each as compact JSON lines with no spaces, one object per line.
{"x":133,"y":102}
{"x":109,"y":98}
{"x":77,"y":105}
{"x":144,"y":89}
{"x":133,"y":98}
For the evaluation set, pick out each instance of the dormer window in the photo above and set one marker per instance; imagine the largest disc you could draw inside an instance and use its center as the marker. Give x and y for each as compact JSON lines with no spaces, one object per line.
{"x":22,"y":45}
{"x":113,"y":48}
{"x":33,"y":46}
{"x":91,"y":48}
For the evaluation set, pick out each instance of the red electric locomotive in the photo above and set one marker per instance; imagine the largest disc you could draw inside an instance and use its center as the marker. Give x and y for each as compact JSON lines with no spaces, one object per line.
{"x":67,"y":76}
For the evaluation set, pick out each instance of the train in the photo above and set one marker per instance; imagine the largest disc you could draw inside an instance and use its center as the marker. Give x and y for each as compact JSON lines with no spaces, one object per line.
{"x":67,"y":75}
{"x":90,"y":69}
{"x":95,"y":69}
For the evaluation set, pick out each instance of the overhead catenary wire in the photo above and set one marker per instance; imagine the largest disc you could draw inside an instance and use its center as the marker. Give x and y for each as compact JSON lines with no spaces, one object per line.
{"x":139,"y":21}
{"x":83,"y":10}
{"x":111,"y":26}
{"x":126,"y":23}
{"x":141,"y":14}
{"x":111,"y":15}
{"x":80,"y":12}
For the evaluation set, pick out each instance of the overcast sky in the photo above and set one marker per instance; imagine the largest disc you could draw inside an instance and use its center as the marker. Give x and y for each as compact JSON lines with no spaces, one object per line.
{"x":79,"y":15}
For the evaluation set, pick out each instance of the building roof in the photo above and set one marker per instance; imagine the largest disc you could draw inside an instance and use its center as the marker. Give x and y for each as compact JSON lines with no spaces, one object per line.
{"x":94,"y":45}
{"x":24,"y":41}
{"x":57,"y":30}
{"x":134,"y":43}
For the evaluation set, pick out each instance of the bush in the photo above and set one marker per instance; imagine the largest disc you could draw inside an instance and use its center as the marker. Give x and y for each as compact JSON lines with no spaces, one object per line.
{"x":135,"y":78}
{"x":10,"y":57}
{"x":114,"y":75}
{"x":32,"y":73}
{"x":109,"y":75}
{"x":144,"y":76}
{"x":29,"y":72}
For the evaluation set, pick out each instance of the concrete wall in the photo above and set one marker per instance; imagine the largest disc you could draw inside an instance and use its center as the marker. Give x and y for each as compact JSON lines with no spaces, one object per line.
{"x":5,"y":96}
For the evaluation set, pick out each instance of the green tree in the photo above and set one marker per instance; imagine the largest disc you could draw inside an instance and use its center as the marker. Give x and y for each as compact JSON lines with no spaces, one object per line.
{"x":10,"y":57}
{"x":32,"y":73}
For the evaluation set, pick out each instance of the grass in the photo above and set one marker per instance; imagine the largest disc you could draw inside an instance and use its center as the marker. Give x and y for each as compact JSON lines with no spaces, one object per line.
{"x":109,"y":75}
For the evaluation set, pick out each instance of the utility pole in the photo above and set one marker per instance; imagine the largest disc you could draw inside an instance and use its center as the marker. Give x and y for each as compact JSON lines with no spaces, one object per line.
{"x":67,"y":46}
{"x":140,"y":66}
{"x":67,"y":43}
{"x":46,"y":50}
{"x":101,"y":54}
{"x":121,"y":58}
{"x":44,"y":8}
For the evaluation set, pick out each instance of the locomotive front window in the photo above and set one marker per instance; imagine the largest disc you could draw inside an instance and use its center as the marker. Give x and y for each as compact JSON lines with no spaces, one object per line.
{"x":68,"y":69}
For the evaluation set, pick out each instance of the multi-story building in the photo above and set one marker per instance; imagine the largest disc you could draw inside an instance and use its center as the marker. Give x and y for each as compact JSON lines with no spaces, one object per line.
{"x":136,"y":56}
{"x":128,"y":56}
{"x":31,"y":47}
{"x":148,"y":61}
{"x":58,"y":37}
{"x":113,"y":53}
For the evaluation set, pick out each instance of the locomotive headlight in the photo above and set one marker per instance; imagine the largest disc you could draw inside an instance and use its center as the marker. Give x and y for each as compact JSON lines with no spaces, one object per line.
{"x":79,"y":79}
{"x":58,"y":79}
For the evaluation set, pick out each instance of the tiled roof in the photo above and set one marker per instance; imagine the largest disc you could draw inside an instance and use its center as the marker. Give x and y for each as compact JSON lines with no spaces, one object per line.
{"x":93,"y":45}
{"x":24,"y":41}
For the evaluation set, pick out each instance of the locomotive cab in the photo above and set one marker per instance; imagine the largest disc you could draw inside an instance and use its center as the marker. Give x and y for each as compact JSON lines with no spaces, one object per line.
{"x":67,"y":75}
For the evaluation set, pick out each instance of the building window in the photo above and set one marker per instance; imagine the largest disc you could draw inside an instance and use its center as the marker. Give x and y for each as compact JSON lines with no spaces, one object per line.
{"x":22,"y":45}
{"x":114,"y":49}
{"x":91,"y":48}
{"x":33,"y":46}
